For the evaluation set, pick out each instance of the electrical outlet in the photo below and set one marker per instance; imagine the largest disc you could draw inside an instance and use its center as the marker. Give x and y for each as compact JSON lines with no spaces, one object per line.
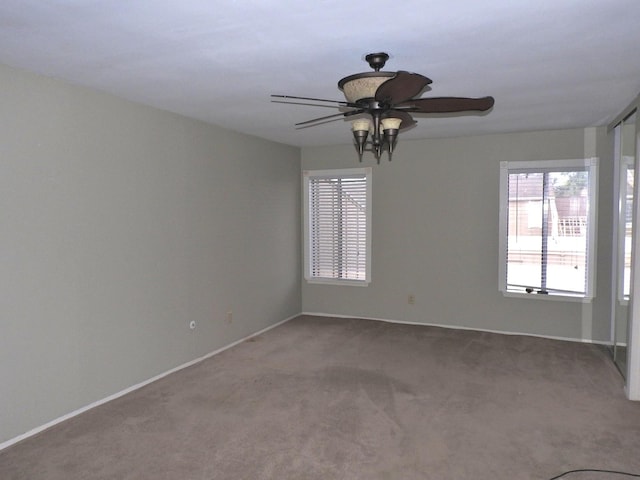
{"x":192,"y":324}
{"x":229,"y":316}
{"x":411,"y":299}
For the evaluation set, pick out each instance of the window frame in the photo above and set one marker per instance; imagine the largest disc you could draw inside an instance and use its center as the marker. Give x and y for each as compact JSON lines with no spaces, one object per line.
{"x":307,"y":220}
{"x":591,"y":166}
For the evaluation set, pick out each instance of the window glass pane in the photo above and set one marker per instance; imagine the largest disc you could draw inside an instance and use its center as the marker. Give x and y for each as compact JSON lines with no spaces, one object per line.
{"x":628,"y":155}
{"x":628,"y":223}
{"x":567,"y":235}
{"x":547,"y":231}
{"x":524,"y":250}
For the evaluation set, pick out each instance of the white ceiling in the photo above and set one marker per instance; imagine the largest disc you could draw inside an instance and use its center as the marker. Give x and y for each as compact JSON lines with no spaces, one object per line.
{"x":548,"y":63}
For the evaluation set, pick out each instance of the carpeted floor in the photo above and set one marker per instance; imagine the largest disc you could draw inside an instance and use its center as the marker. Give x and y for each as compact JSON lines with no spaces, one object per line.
{"x":322,"y":398}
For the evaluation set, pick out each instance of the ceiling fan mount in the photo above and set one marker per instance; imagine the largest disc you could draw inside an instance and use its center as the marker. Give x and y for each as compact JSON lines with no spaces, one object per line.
{"x":384,"y":102}
{"x":377,"y":60}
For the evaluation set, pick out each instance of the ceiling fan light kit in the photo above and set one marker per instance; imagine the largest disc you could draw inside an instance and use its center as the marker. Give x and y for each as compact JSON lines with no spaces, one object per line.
{"x":386,"y":99}
{"x":359,"y":88}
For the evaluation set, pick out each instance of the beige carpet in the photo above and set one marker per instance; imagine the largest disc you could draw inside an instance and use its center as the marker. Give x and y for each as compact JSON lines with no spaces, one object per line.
{"x":321,"y":398}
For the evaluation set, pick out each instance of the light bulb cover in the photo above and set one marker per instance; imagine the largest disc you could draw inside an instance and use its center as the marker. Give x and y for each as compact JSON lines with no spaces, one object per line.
{"x":363,"y":85}
{"x":391,"y":123}
{"x":361,"y":124}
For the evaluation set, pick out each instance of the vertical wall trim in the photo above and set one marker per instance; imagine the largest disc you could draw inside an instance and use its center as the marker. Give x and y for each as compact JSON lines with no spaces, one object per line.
{"x":590,"y":151}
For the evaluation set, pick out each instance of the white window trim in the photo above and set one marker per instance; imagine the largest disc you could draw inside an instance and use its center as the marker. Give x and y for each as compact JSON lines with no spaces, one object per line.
{"x":592,"y":166}
{"x":307,"y":222}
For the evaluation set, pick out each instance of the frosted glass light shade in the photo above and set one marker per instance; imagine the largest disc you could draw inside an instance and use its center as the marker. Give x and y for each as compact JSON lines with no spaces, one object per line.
{"x":361,"y":125}
{"x":362,"y":88}
{"x":391,"y":123}
{"x":363,"y":85}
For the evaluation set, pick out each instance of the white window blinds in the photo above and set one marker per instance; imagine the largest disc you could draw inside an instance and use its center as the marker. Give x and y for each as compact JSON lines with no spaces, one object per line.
{"x":338,"y":225}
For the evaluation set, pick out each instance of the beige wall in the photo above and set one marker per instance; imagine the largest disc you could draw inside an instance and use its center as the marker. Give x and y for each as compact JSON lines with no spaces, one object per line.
{"x":120,"y":225}
{"x":435,"y":235}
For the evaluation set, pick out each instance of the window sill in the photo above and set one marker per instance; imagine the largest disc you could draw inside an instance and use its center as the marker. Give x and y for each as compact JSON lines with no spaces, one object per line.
{"x":549,"y":296}
{"x":333,"y":281}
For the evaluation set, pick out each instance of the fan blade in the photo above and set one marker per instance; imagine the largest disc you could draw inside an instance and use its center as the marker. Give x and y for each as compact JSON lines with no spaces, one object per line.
{"x":320,"y":123}
{"x":407,"y":120}
{"x":307,"y":104}
{"x":345,"y":114}
{"x":401,"y":88}
{"x":341,"y":102}
{"x":449,"y":104}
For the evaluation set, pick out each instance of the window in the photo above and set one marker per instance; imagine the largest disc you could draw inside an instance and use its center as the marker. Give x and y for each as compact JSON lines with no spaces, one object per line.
{"x":337,"y":225}
{"x":547,"y":227}
{"x":625,"y":223}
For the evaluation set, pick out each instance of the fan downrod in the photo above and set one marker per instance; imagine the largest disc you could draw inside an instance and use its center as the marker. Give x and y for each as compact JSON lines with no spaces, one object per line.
{"x":377,"y":60}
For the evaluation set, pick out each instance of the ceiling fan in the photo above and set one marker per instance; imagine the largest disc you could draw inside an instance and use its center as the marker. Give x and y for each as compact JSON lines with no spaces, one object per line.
{"x":386,"y":101}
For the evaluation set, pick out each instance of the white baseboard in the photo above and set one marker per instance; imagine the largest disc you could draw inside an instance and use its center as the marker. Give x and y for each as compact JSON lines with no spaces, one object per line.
{"x":50,"y":424}
{"x":458,"y":327}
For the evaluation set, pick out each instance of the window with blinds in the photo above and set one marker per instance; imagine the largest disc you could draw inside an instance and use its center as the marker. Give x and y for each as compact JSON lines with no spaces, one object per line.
{"x":337,"y":225}
{"x":547,"y":232}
